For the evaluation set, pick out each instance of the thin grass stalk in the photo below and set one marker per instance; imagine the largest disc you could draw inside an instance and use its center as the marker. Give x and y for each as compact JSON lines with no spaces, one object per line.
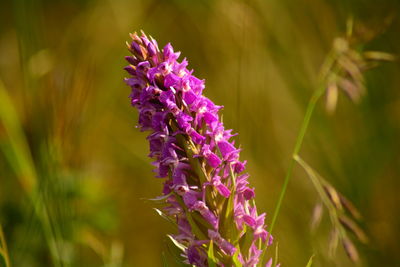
{"x":303,"y":129}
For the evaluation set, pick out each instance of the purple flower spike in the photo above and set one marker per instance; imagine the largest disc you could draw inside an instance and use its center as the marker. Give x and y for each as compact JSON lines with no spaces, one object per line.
{"x":193,"y":153}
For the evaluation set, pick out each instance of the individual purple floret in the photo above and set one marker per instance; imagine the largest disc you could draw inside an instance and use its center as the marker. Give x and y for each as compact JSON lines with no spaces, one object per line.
{"x":205,"y":190}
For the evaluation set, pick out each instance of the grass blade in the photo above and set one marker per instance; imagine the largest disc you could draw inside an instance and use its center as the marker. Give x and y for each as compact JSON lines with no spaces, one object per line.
{"x":310,"y":261}
{"x":210,"y":255}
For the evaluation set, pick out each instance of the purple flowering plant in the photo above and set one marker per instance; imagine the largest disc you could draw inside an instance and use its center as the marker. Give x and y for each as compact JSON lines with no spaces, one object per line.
{"x":206,"y":192}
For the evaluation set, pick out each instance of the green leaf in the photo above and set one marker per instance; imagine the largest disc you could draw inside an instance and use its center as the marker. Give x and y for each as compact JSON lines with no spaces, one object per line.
{"x":195,"y":228}
{"x":310,"y":261}
{"x":191,"y":150}
{"x":227,"y":225}
{"x":235,"y":258}
{"x":246,"y":240}
{"x":211,"y":259}
{"x":159,"y":198}
{"x":176,"y":243}
{"x":173,"y":255}
{"x":162,"y":214}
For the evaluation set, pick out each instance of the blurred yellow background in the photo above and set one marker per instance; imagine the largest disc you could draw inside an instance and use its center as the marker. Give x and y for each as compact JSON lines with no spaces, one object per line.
{"x":74,"y":132}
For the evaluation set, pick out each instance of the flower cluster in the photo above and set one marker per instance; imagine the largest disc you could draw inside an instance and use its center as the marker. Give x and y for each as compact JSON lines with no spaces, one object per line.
{"x":206,"y":191}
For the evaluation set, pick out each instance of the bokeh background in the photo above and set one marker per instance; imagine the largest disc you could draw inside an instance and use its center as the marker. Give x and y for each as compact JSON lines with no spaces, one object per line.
{"x":67,"y":128}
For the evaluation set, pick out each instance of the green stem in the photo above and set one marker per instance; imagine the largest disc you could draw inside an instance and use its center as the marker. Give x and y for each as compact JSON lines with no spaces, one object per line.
{"x":326,"y":67}
{"x":299,"y":141}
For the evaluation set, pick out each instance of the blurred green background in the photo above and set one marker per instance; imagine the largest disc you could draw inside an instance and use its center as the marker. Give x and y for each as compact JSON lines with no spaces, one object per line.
{"x":67,"y":128}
